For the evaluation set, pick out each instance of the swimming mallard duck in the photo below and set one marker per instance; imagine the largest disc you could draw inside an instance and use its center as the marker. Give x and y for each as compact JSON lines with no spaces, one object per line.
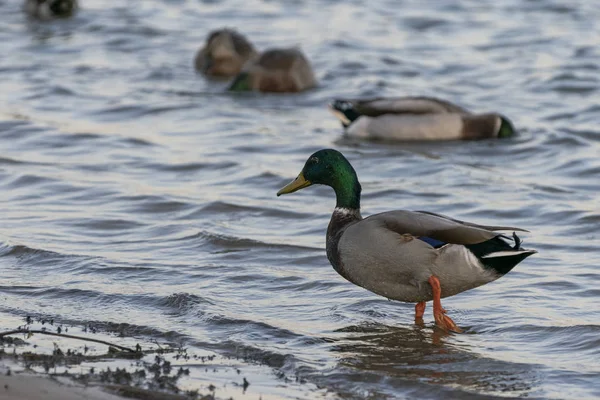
{"x":276,"y":70}
{"x":410,"y":256}
{"x":224,"y":54}
{"x":417,"y":118}
{"x":47,"y":9}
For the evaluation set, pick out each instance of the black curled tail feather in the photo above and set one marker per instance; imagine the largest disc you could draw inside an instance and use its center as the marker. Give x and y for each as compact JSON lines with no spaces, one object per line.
{"x":517,"y":241}
{"x":347,"y":109}
{"x":504,"y":261}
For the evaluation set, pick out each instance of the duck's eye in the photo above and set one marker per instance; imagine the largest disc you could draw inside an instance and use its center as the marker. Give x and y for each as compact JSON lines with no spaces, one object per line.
{"x":314,"y":160}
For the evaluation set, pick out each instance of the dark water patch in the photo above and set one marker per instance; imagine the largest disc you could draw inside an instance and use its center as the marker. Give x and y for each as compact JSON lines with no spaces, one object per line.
{"x":21,"y":130}
{"x":194,"y":167}
{"x":316,"y":286}
{"x":12,"y":161}
{"x":121,"y":112}
{"x":423,"y":24}
{"x":231,"y":242}
{"x":136,"y":142}
{"x":591,"y":293}
{"x":106,"y":226}
{"x":21,"y":250}
{"x":588,"y":135}
{"x":582,"y":88}
{"x":154,"y":204}
{"x":220,"y":207}
{"x":256,"y":355}
{"x":253,"y":330}
{"x":53,"y":293}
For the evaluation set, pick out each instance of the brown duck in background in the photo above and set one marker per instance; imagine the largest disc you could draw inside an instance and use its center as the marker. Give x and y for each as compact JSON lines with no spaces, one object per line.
{"x":48,"y":9}
{"x":224,"y":54}
{"x":276,"y":70}
{"x":228,"y":53}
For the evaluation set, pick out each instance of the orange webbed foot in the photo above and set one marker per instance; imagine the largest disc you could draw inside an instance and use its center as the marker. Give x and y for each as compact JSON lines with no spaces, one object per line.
{"x":419,"y":310}
{"x":441,"y":319}
{"x":445,"y":322}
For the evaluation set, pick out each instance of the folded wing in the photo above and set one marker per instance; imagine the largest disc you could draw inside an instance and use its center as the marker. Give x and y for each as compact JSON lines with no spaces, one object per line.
{"x":438,"y":227}
{"x":406,"y":105}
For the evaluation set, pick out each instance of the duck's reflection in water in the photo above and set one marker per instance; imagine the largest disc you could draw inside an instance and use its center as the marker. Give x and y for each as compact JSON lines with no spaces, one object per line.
{"x":405,"y":357}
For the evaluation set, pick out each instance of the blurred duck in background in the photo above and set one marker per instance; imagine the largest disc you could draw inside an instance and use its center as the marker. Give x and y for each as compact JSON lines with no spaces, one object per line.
{"x":224,"y":54}
{"x":417,"y":118}
{"x":276,"y":70}
{"x":48,"y":9}
{"x":229,"y":54}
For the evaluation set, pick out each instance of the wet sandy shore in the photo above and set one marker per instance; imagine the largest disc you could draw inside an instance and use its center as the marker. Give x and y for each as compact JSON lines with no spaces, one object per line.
{"x":33,"y":387}
{"x":44,"y":360}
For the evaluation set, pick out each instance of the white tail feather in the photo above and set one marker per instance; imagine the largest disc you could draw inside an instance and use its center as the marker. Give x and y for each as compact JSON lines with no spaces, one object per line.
{"x":508,"y":253}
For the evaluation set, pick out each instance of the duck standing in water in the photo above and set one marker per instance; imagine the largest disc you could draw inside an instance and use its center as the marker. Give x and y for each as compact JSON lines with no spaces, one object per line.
{"x":48,"y":9}
{"x":417,"y":118}
{"x":224,"y":54}
{"x":410,"y":256}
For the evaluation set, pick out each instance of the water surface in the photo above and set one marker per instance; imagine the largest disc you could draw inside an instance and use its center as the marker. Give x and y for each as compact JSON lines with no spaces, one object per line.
{"x":135,"y":192}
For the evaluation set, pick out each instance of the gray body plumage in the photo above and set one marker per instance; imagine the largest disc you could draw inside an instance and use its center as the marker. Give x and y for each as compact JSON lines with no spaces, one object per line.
{"x":382,"y":253}
{"x":417,"y":118}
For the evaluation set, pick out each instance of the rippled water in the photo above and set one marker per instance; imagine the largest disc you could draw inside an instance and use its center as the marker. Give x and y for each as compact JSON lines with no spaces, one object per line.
{"x":135,"y":192}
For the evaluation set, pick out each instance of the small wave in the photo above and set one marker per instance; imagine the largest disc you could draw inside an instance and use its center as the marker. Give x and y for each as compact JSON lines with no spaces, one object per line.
{"x":193,"y":167}
{"x":560,"y":339}
{"x":233,"y":242}
{"x":29,"y":180}
{"x":54,"y":293}
{"x":423,"y":24}
{"x":21,"y":250}
{"x":221,"y":207}
{"x":107,"y":226}
{"x":255,"y":355}
{"x":153,"y":204}
{"x":182,"y":301}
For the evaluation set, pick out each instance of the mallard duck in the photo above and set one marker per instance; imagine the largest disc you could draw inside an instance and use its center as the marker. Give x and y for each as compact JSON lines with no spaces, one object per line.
{"x":417,"y":118}
{"x":276,"y":70}
{"x":409,"y":256}
{"x":47,"y":9}
{"x":224,"y":53}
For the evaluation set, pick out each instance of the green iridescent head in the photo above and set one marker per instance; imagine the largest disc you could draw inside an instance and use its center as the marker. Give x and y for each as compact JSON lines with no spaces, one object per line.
{"x":241,"y":83}
{"x":329,"y":167}
{"x":507,"y":129}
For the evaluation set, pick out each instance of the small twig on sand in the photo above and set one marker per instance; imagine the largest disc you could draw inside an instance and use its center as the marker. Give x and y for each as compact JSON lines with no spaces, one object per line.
{"x":156,"y":343}
{"x":17,"y":331}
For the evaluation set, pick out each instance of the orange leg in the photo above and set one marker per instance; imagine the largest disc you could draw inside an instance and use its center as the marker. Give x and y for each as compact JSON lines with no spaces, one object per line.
{"x":441,"y":319}
{"x":419,"y":310}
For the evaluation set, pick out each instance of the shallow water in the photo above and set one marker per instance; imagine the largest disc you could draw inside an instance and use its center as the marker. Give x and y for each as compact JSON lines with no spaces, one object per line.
{"x":135,"y":192}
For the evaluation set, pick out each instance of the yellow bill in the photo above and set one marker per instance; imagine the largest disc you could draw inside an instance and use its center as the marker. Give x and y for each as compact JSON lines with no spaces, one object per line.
{"x":295,"y":185}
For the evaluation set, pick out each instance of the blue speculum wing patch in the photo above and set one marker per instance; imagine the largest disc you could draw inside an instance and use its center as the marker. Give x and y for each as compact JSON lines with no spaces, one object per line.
{"x":432,"y":242}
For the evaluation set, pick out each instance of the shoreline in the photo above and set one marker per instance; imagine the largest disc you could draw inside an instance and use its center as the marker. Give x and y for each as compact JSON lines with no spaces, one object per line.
{"x":88,"y":364}
{"x":19,"y":383}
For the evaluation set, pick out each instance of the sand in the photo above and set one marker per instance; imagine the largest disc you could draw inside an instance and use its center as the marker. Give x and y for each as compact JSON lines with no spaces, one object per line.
{"x":32,"y":387}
